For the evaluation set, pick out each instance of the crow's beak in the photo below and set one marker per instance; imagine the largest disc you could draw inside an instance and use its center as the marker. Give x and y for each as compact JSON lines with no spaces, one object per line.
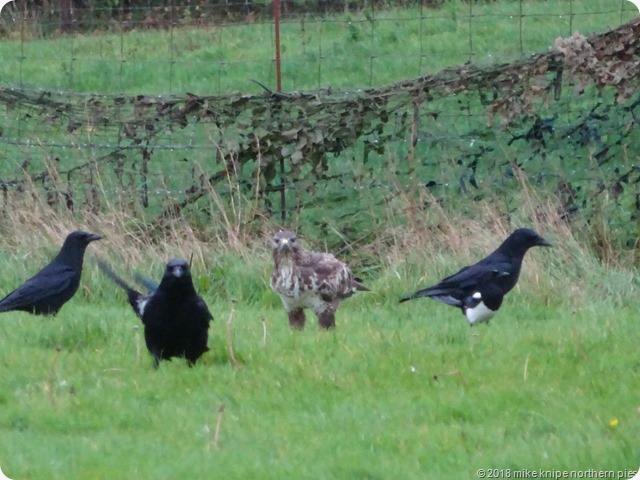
{"x":543,"y":243}
{"x":177,"y":271}
{"x":93,"y":237}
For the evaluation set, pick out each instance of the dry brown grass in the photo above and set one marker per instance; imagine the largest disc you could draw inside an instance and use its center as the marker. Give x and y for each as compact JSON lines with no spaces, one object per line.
{"x":34,"y":225}
{"x":434,"y":242}
{"x":429,"y":241}
{"x":33,"y":221}
{"x":487,"y":223}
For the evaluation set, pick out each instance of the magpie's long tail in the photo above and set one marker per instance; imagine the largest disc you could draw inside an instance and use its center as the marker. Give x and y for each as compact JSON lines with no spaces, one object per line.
{"x":449,"y":296}
{"x":135,"y":298}
{"x":133,"y":295}
{"x":106,"y":269}
{"x":419,"y":294}
{"x":150,"y":285}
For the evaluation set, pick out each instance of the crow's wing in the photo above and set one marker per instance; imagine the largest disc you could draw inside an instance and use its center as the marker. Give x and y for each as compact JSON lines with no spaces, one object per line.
{"x":51,"y":281}
{"x":204,"y":310}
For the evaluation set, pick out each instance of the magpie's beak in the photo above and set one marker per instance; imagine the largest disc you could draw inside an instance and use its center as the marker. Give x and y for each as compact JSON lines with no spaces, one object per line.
{"x":93,"y":237}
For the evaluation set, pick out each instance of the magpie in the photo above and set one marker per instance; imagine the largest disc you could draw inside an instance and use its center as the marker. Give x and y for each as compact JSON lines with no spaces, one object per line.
{"x":48,"y":290}
{"x":478,"y":289}
{"x":150,"y":285}
{"x":175,"y":318}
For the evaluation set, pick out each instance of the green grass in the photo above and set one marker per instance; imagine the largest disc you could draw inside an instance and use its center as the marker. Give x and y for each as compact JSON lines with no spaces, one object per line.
{"x":367,"y":48}
{"x":551,"y":383}
{"x":379,"y":397}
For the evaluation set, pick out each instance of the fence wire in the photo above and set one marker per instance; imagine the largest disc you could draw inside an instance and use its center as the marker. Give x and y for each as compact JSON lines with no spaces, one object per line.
{"x":350,"y":153}
{"x":389,"y":44}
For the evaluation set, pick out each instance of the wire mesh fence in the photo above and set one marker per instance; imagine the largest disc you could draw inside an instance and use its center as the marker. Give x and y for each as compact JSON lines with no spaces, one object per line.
{"x":375,"y":123}
{"x":193,"y":47}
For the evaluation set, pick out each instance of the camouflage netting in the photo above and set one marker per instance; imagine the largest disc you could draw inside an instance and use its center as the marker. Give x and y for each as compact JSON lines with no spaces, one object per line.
{"x":565,"y":119}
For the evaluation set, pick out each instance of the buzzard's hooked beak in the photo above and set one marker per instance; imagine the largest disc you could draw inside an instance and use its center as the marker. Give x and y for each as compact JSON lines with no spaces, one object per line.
{"x":285,"y":244}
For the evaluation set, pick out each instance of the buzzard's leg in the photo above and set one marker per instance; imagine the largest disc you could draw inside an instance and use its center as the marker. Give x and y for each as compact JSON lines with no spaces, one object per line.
{"x":296,"y":318}
{"x":327,"y":319}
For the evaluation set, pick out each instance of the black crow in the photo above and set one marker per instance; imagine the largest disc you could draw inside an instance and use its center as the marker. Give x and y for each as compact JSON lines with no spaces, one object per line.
{"x":48,"y":290}
{"x":478,"y":289}
{"x":176,"y":320}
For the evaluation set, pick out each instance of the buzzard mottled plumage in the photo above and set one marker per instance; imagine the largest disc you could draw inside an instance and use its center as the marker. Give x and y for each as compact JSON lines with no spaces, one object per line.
{"x":314,"y":280}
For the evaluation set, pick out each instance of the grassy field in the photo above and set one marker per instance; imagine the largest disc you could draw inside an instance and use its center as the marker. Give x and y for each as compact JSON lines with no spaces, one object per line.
{"x":347,"y":51}
{"x":395,"y":391}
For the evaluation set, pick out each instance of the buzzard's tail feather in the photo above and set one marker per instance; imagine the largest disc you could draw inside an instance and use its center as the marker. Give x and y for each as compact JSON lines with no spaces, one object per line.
{"x":355,"y":286}
{"x":358,"y":284}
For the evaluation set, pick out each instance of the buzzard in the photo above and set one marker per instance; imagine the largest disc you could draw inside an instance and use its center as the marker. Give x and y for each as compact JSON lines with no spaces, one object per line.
{"x":314,"y":280}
